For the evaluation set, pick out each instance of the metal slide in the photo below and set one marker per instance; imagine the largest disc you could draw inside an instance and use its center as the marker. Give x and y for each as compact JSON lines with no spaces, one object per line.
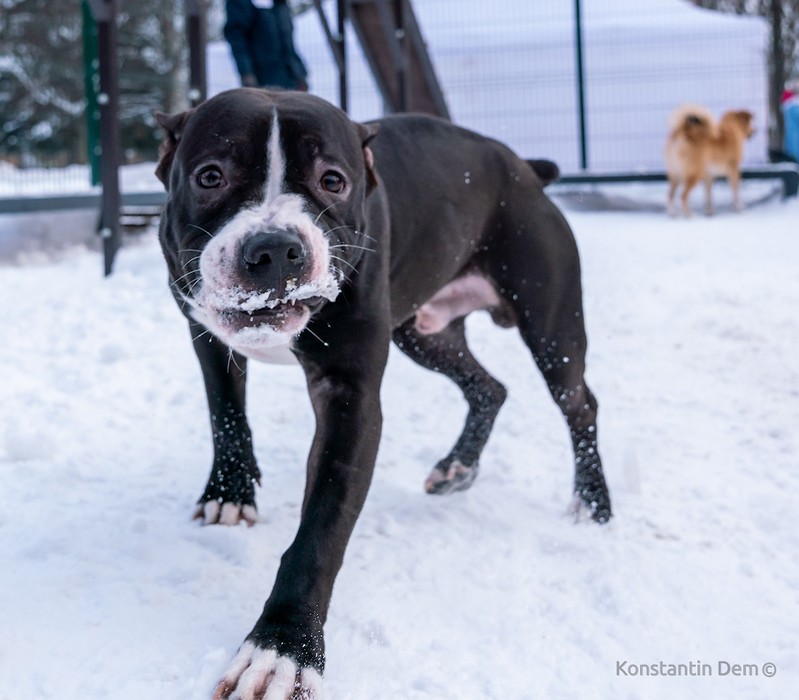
{"x":397,"y":55}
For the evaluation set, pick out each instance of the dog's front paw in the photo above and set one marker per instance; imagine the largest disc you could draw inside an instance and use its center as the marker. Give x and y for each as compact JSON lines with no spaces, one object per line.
{"x":449,"y":476}
{"x":229,"y":496}
{"x":262,"y":674}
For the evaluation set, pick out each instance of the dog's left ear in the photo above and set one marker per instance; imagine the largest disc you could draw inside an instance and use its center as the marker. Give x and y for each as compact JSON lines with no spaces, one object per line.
{"x":173,"y":126}
{"x":367,"y":132}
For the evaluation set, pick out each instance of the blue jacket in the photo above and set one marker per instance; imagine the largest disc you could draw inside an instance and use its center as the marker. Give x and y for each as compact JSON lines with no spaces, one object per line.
{"x":791,"y":111}
{"x":262,"y":44}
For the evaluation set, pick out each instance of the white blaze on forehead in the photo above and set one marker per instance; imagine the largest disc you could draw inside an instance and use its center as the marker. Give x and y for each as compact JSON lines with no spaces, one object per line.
{"x":276,"y":164}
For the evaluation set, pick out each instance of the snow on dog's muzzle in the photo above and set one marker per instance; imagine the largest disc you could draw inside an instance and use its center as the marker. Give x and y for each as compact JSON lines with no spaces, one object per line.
{"x":262,"y":276}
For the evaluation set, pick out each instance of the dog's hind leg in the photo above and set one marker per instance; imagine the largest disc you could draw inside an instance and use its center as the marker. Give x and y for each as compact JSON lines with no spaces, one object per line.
{"x":537,"y":271}
{"x":559,"y":353}
{"x":708,"y":195}
{"x":673,"y":184}
{"x":447,"y":352}
{"x":561,"y":359}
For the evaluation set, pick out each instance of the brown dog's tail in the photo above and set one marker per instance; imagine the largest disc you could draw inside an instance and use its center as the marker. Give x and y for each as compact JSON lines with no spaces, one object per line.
{"x":546,"y":170}
{"x":694,"y":122}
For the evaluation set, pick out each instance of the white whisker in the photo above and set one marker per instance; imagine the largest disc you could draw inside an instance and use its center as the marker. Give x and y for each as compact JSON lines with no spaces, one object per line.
{"x":327,"y":345}
{"x":200,"y":228}
{"x":338,"y":228}
{"x":345,"y":262}
{"x":200,"y":335}
{"x":231,"y":357}
{"x":349,"y":245}
{"x":319,"y":215}
{"x":190,"y":272}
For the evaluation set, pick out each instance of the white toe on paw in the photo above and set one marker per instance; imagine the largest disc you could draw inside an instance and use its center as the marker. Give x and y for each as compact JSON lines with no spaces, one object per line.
{"x":457,"y":477}
{"x":230,"y":515}
{"x":249,"y":514}
{"x":213,"y":512}
{"x":262,"y":674}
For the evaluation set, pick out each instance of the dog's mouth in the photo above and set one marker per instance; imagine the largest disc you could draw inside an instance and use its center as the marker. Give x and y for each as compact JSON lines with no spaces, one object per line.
{"x":274,"y":313}
{"x":249,"y":319}
{"x":284,"y":306}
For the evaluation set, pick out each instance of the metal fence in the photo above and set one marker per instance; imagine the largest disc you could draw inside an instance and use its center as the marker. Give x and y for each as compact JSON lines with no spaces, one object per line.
{"x":508,"y":69}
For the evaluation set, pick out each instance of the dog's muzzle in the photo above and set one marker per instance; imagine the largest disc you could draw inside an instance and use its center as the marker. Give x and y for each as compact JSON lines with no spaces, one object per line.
{"x":260,"y":285}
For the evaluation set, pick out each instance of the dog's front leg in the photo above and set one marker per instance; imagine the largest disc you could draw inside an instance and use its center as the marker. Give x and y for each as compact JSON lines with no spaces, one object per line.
{"x":284,"y":656}
{"x":229,"y":496}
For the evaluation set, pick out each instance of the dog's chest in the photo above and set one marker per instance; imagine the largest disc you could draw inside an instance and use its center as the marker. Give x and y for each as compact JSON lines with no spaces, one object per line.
{"x":274,"y":355}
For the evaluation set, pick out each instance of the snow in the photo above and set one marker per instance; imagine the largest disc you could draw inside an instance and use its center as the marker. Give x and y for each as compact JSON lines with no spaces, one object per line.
{"x":110,"y":590}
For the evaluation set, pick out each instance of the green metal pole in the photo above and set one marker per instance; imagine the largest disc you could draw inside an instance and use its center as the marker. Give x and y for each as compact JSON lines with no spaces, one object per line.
{"x":91,"y":78}
{"x":578,"y":41}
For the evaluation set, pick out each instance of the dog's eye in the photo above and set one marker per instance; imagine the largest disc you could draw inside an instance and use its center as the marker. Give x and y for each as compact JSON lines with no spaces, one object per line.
{"x":332,"y":182}
{"x":211,"y":178}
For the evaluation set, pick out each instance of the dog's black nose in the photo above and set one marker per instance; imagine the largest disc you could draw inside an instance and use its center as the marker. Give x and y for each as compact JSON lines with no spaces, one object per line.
{"x":272,"y":258}
{"x":278,"y":249}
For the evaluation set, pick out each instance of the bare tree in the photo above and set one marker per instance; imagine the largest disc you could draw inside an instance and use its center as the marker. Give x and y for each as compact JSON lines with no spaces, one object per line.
{"x":783,"y":53}
{"x":42,"y":99}
{"x":42,"y":118}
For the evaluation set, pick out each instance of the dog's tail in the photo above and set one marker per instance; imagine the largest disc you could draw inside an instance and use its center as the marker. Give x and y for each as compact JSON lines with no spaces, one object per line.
{"x":693,"y":122}
{"x":546,"y":170}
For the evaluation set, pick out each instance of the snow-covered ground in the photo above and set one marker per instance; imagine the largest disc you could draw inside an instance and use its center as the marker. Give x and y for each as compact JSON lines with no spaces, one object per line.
{"x":109,"y":590}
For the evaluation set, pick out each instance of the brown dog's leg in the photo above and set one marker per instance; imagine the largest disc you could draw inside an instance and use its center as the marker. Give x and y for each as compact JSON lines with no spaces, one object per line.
{"x":734,"y":178}
{"x":673,"y":184}
{"x":690,"y":182}
{"x":709,"y":195}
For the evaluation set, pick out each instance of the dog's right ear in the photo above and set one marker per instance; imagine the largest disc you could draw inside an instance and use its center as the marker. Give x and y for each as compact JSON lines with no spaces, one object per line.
{"x":173,"y":125}
{"x":367,"y":132}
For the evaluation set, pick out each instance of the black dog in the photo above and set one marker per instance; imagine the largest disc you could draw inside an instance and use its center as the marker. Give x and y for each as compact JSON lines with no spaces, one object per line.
{"x":288,"y":227}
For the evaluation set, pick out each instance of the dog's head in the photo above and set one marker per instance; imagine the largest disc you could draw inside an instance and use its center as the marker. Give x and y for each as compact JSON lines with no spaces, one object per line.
{"x":265,"y":213}
{"x":740,"y":119}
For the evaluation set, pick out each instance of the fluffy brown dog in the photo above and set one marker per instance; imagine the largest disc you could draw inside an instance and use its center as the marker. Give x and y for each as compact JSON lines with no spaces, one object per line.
{"x":699,"y":148}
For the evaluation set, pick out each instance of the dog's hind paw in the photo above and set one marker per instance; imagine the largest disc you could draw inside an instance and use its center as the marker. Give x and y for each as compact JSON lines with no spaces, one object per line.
{"x":449,"y":476}
{"x":262,"y":674}
{"x":213,"y":512}
{"x":581,"y":511}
